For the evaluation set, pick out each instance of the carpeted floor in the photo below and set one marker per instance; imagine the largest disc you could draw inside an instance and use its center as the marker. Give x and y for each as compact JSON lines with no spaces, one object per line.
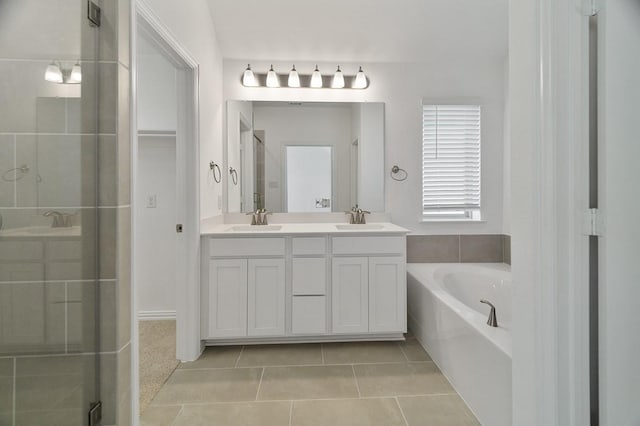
{"x":157,"y":357}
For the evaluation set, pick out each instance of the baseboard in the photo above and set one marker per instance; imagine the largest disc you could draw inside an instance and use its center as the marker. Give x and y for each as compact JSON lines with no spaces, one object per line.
{"x":156,"y":315}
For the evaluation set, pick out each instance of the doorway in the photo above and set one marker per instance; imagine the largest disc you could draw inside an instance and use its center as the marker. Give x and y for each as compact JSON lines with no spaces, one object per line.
{"x":165,"y":204}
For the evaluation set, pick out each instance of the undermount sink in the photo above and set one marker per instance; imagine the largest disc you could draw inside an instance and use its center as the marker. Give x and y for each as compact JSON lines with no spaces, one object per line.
{"x":255,"y":228}
{"x":365,"y":226}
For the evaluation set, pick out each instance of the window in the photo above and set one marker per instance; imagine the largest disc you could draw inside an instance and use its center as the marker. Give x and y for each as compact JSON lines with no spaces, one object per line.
{"x":451,"y":162}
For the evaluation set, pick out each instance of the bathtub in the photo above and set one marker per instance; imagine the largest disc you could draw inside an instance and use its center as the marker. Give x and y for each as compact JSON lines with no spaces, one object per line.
{"x":447,"y":317}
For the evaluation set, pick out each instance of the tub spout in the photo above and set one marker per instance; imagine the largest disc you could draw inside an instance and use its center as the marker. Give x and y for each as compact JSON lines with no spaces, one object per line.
{"x":493,"y":320}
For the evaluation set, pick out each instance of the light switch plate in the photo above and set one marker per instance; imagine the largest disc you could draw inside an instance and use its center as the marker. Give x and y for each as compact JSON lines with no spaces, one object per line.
{"x":151,"y":201}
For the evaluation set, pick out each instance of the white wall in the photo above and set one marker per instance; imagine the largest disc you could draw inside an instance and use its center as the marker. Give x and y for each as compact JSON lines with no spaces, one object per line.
{"x":316,"y":125}
{"x":156,"y":249}
{"x":156,"y":90}
{"x":618,"y":153}
{"x":506,"y":164}
{"x":402,"y":87}
{"x":191,"y":24}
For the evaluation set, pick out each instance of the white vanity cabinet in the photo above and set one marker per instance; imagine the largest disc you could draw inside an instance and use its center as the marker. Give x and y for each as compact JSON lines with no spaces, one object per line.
{"x":303,"y":287}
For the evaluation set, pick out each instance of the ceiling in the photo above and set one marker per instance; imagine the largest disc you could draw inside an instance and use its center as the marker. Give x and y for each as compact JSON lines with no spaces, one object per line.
{"x":360,"y":30}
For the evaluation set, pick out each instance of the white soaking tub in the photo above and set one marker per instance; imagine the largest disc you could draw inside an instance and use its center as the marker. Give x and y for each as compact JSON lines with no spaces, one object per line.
{"x":447,"y":317}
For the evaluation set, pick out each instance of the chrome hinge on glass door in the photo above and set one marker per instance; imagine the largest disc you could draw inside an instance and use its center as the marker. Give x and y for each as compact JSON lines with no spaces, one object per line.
{"x":592,"y":223}
{"x":93,"y":13}
{"x":95,"y":414}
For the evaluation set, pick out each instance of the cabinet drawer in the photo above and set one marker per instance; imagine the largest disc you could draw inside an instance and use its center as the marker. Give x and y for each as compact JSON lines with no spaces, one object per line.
{"x":369,"y":245}
{"x":234,"y":247}
{"x":309,"y":276}
{"x":309,"y":315}
{"x":311,"y":245}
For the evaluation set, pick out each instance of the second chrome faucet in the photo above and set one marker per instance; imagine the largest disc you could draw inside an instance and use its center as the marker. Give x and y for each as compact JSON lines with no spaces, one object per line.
{"x":356,"y":215}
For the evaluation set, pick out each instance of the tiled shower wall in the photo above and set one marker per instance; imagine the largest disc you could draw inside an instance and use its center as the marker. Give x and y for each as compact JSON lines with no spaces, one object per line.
{"x":75,"y":143}
{"x":459,"y":248}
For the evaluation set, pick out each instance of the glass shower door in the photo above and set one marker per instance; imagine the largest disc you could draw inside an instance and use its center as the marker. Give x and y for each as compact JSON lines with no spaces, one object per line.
{"x":49,"y":157}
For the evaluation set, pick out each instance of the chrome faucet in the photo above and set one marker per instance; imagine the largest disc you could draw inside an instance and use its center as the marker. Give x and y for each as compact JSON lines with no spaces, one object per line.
{"x":493,"y":320}
{"x":259,"y":217}
{"x":60,"y":220}
{"x":356,"y":215}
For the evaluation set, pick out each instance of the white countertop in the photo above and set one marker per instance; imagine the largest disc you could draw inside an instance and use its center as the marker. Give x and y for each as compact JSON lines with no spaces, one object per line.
{"x":281,"y":229}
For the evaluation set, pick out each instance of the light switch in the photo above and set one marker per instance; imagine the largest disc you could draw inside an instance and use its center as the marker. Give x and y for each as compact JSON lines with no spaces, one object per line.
{"x":151,"y":201}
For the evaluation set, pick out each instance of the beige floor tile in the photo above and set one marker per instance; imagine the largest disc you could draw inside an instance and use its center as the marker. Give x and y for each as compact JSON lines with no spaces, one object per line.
{"x":420,"y":378}
{"x":362,"y":352}
{"x":414,"y":351}
{"x":157,"y":357}
{"x":347,"y":412}
{"x":215,"y":385}
{"x":271,"y":355}
{"x":215,"y":357}
{"x":308,"y":382}
{"x":437,"y":410}
{"x":163,"y":415}
{"x":236,"y":414}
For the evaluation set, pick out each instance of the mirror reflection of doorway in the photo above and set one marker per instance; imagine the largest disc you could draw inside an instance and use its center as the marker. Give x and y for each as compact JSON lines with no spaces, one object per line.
{"x":309,"y":178}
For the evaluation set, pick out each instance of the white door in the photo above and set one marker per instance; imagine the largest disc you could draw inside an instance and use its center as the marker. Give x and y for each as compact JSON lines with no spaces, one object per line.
{"x":619,"y":201}
{"x":228,"y":298}
{"x":350,"y":295}
{"x":309,"y":178}
{"x":266,"y":299}
{"x":387,"y":294}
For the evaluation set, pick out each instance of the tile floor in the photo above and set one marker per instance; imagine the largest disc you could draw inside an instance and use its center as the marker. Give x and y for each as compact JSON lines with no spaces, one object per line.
{"x":335,"y":384}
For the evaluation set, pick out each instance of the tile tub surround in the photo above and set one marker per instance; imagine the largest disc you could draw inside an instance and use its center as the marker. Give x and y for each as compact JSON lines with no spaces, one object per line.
{"x":490,"y":248}
{"x":355,"y":383}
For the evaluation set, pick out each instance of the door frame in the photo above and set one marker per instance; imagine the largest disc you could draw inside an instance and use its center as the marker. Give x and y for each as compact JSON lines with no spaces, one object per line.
{"x":188,"y":343}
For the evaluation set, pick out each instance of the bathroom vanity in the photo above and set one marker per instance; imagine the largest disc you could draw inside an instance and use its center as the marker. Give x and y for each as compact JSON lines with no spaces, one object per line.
{"x":303,"y":282}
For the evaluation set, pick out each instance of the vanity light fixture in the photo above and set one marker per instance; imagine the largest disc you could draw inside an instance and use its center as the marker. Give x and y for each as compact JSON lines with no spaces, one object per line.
{"x":338,"y":79}
{"x":76,"y":74}
{"x":272,"y":78}
{"x":294,"y":79}
{"x":316,"y":79}
{"x":53,"y":73}
{"x":361,"y":80}
{"x":249,"y":79}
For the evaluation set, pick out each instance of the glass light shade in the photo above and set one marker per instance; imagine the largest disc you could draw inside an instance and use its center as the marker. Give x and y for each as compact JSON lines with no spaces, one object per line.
{"x":53,"y":73}
{"x":294,"y":79}
{"x":76,"y":74}
{"x":361,"y":80}
{"x":338,"y":80}
{"x":272,"y":78}
{"x":249,"y":79}
{"x":316,"y":79}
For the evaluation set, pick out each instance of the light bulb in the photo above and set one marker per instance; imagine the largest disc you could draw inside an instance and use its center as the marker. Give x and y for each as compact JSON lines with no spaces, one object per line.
{"x":76,"y":74}
{"x":338,"y":79}
{"x":272,"y":78}
{"x":361,"y":80}
{"x":53,"y":73}
{"x":294,"y":79}
{"x":316,"y":79}
{"x":249,"y":79}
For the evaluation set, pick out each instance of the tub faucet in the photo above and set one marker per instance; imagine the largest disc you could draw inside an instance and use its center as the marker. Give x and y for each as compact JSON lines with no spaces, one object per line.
{"x":493,"y":320}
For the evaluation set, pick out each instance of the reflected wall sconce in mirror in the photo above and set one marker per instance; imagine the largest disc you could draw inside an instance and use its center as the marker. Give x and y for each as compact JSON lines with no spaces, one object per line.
{"x":234,"y":175}
{"x":315,"y":80}
{"x":217,"y":174}
{"x":56,"y":73}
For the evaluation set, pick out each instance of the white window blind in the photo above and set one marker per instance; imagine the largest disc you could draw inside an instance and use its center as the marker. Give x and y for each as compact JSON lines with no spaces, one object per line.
{"x":451,"y":160}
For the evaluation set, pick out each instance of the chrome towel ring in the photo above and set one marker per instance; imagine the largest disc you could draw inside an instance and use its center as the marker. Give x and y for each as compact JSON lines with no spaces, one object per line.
{"x":234,"y":175}
{"x":399,"y":174}
{"x":216,"y":176}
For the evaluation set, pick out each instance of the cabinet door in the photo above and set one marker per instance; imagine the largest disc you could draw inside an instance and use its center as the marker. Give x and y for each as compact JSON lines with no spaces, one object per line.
{"x":266,"y":300}
{"x":349,"y":295}
{"x":387,"y":294}
{"x":227,"y":298}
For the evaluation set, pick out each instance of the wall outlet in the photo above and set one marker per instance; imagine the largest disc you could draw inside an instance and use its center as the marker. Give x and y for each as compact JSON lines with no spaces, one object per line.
{"x":151,"y":201}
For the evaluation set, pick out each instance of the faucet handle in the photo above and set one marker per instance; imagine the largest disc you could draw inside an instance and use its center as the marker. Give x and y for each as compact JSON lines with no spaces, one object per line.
{"x":265,"y":213}
{"x":351,"y":216}
{"x":253,"y":217}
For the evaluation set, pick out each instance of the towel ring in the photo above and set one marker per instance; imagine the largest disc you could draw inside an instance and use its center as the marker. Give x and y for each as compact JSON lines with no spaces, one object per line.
{"x":403,"y":175}
{"x":234,"y":175}
{"x":213,"y":166}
